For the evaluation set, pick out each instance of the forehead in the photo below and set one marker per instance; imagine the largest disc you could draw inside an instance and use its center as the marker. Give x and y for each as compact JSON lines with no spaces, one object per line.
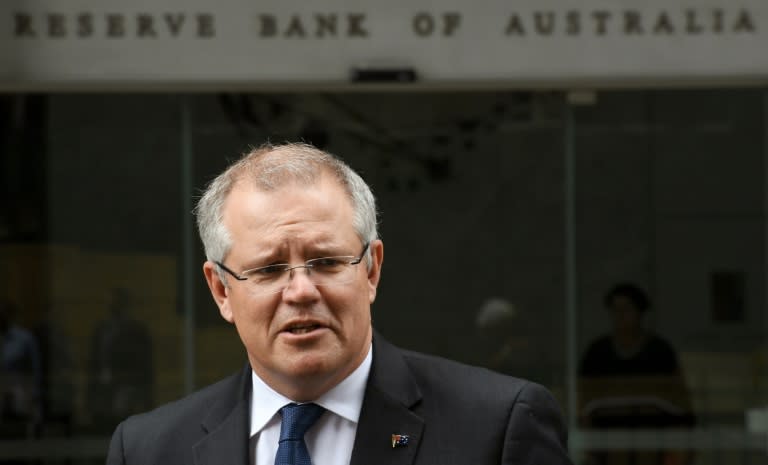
{"x":318,"y":211}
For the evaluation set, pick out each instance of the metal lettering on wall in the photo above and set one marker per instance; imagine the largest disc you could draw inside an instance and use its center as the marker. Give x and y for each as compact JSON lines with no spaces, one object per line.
{"x":237,"y":41}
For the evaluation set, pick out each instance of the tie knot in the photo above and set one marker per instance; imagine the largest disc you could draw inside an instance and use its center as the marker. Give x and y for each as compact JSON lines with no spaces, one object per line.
{"x":297,"y":419}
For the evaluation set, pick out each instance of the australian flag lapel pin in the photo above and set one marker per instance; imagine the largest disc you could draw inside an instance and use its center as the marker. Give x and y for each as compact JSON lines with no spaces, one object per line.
{"x":400,"y":440}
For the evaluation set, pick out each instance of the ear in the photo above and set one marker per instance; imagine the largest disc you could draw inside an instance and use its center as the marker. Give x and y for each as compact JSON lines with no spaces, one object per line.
{"x":219,"y":290}
{"x":374,"y":273}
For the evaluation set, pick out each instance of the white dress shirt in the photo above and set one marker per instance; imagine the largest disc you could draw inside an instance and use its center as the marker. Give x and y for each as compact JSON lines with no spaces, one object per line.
{"x":330,"y":440}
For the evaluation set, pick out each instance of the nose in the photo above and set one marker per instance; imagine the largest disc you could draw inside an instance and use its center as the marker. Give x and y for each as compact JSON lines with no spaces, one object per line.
{"x":300,"y":287}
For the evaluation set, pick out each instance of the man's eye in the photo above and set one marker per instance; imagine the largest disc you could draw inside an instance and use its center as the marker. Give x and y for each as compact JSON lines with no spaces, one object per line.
{"x":328,"y":264}
{"x":269,"y":270}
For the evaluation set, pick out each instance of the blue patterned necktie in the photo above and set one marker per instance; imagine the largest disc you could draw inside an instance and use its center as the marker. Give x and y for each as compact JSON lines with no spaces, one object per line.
{"x":297,"y":419}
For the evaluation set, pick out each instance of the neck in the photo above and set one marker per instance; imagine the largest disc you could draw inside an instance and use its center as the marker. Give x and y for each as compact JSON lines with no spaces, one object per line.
{"x":302,"y":392}
{"x":630,"y":339}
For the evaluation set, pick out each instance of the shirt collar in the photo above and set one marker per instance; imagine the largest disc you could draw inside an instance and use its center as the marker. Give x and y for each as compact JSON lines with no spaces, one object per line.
{"x":345,"y":399}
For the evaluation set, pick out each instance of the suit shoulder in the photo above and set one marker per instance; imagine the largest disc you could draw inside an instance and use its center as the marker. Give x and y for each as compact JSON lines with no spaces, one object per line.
{"x":183,"y":417}
{"x":192,"y":402}
{"x":465,"y":380}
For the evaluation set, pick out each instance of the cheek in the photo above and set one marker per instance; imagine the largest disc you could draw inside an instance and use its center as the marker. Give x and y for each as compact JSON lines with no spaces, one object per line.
{"x":253,"y":316}
{"x":361,"y":314}
{"x":351,"y":309}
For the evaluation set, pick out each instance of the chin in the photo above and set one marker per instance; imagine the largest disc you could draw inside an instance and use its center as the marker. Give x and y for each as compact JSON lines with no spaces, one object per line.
{"x":311,"y":365}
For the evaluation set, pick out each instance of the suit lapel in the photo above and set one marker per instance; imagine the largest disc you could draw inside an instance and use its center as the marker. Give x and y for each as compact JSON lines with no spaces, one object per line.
{"x":227,"y":426}
{"x":390,"y":396}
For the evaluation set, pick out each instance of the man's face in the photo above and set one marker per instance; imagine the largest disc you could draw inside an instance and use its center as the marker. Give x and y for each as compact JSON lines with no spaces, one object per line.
{"x":293,"y":224}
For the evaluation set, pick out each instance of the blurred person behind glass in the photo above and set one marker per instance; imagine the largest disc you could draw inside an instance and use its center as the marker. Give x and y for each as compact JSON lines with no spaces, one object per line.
{"x":20,"y":376}
{"x":503,"y":341}
{"x":631,"y":378}
{"x":121,"y":365}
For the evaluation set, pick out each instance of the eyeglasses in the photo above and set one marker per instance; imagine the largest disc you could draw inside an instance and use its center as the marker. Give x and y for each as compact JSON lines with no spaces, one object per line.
{"x":324,"y":271}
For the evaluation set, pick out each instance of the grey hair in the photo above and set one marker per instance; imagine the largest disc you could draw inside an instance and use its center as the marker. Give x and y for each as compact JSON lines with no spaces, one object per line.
{"x":272,"y":166}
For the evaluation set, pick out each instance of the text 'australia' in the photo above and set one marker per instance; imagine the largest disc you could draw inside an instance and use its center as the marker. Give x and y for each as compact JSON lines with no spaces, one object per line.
{"x":689,"y":22}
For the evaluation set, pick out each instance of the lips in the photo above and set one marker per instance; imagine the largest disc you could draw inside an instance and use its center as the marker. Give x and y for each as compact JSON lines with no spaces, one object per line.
{"x":299,"y":328}
{"x":302,"y":329}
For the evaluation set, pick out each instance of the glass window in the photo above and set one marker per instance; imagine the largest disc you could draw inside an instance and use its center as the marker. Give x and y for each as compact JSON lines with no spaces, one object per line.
{"x":90,"y":228}
{"x":671,"y":250}
{"x":656,"y":197}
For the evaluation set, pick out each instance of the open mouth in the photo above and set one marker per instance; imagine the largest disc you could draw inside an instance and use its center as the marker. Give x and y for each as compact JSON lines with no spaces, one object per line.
{"x":302,"y":329}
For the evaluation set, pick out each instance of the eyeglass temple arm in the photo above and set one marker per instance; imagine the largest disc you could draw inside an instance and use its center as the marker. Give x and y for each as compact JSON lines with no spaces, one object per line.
{"x":234,"y":275}
{"x":362,"y":254}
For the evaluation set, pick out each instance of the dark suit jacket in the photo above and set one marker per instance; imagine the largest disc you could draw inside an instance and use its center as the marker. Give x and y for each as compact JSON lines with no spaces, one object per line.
{"x":453,"y":414}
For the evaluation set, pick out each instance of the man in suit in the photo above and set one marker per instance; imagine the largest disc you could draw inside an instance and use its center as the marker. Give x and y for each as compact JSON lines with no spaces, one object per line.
{"x":294,"y":262}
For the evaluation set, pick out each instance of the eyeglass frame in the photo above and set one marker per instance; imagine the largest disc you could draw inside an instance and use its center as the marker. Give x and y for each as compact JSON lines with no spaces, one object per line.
{"x":290,"y":268}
